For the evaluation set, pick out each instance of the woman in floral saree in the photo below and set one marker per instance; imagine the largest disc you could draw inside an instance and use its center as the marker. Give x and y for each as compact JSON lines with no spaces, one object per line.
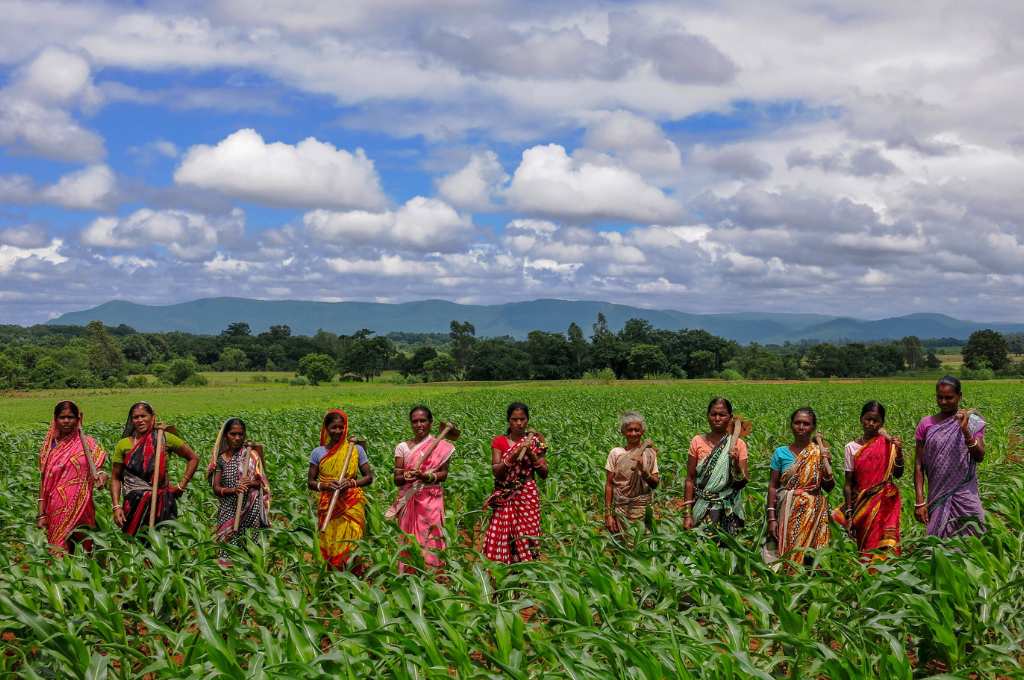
{"x":516,"y":457}
{"x":716,"y":473}
{"x":872,"y":502}
{"x":421,"y":466}
{"x":134,"y":469}
{"x":70,"y":464}
{"x":950,"y":445}
{"x":334,"y":472}
{"x":798,"y":513}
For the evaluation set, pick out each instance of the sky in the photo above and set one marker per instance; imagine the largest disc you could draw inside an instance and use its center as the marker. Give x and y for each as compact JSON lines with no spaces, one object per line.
{"x":862,"y":159}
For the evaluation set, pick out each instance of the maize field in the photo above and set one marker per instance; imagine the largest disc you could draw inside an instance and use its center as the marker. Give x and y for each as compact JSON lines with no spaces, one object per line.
{"x":676,"y":605}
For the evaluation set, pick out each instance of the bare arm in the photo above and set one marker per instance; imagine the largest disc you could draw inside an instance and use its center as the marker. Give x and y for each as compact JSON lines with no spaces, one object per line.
{"x":440,"y":473}
{"x":773,"y":487}
{"x":688,"y":491}
{"x":609,"y":518}
{"x":366,"y":479}
{"x":117,"y":472}
{"x":219,"y":490}
{"x":400,"y":480}
{"x":848,"y":486}
{"x":497,"y":467}
{"x":186,"y":452}
{"x":920,"y":505}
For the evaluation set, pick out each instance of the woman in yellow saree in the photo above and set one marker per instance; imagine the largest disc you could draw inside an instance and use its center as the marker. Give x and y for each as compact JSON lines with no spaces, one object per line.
{"x":338,"y":471}
{"x":798,"y":510}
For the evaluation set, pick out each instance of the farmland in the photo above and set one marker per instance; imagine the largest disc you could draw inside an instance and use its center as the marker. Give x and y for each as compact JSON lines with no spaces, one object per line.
{"x":674,"y":606}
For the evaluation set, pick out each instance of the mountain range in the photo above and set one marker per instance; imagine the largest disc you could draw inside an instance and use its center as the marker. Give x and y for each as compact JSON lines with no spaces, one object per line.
{"x":209,"y":316}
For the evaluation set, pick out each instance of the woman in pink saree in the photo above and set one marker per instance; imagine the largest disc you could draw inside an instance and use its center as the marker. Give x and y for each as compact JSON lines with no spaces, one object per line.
{"x":69,"y":470}
{"x":421,"y":466}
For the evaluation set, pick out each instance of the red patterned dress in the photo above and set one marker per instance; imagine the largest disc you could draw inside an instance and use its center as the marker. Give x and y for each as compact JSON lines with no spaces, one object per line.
{"x":515,"y":522}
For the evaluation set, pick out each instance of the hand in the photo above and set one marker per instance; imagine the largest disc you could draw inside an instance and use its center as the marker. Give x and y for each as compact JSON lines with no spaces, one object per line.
{"x":41,"y":521}
{"x":178,"y":490}
{"x":897,"y":442}
{"x":346,"y":484}
{"x":611,"y":524}
{"x":101,"y":480}
{"x":964,"y":418}
{"x":773,"y":529}
{"x":688,"y":522}
{"x":119,"y":518}
{"x":921,"y":513}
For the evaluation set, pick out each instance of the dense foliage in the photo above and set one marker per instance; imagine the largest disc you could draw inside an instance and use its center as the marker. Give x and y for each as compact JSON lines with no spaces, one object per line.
{"x":677,"y":605}
{"x":69,"y":356}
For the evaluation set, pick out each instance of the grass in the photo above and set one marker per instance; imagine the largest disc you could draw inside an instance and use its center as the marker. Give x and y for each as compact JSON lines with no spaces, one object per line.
{"x":675,"y":606}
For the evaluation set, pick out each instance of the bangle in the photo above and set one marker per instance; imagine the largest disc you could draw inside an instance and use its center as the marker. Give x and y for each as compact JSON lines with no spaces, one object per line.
{"x":318,"y":486}
{"x":117,"y":507}
{"x":973,"y":443}
{"x":921,"y":504}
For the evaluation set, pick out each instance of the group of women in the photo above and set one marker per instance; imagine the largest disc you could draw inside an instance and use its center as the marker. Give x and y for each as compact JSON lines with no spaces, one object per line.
{"x":949,"y":447}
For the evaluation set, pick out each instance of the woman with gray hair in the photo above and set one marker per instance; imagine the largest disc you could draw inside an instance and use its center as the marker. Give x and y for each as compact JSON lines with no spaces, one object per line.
{"x":631,"y":475}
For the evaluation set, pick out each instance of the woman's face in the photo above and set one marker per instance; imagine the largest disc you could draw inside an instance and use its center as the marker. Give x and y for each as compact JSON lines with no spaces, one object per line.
{"x":66,"y":421}
{"x":142,"y":420}
{"x":420,"y":424}
{"x":518,"y":421}
{"x":719,"y":417}
{"x":947,"y":398}
{"x":235,"y":436}
{"x":802,"y":425}
{"x":633,"y":432}
{"x":871,"y":422}
{"x":336,"y":429}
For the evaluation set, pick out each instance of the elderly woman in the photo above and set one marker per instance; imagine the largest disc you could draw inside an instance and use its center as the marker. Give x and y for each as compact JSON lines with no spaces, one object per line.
{"x":631,"y":475}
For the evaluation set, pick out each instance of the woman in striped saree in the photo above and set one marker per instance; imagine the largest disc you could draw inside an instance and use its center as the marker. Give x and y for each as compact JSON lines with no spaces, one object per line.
{"x":872,"y":502}
{"x":798,"y":514}
{"x":135,"y":468}
{"x":70,"y":468}
{"x":241,"y":484}
{"x":716,"y":473}
{"x":338,"y":471}
{"x":950,"y":445}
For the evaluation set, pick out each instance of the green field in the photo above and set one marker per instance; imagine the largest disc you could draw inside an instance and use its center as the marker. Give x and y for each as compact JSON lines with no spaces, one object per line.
{"x":675,"y":606}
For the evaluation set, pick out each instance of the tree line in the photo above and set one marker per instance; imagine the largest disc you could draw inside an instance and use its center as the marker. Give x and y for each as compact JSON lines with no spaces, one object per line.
{"x":96,"y":355}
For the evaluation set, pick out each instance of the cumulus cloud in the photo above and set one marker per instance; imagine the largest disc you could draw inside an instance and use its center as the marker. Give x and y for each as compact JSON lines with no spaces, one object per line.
{"x":90,"y":188}
{"x":188,"y":236}
{"x":24,"y":236}
{"x":12,"y":255}
{"x":638,"y":142}
{"x":548,"y":181}
{"x":475,"y":184}
{"x":421,"y":223}
{"x":308,"y":174}
{"x":863,"y":162}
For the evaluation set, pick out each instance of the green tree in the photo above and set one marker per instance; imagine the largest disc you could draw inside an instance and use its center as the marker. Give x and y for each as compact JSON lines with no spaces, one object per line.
{"x":578,"y":350}
{"x":703,"y":363}
{"x":932,"y":361}
{"x":365,"y":356}
{"x":498,"y":359}
{"x":105,"y":357}
{"x":413,"y":365}
{"x":237,"y":329}
{"x":646,"y":359}
{"x":987,"y":345}
{"x":462,"y":336}
{"x":441,"y":368}
{"x":549,"y":355}
{"x":913,"y":352}
{"x":232,"y":359}
{"x":179,"y":371}
{"x":317,"y":368}
{"x":605,"y":349}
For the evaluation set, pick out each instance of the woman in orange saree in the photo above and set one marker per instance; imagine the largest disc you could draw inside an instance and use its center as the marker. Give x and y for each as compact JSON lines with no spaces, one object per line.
{"x":334,"y":467}
{"x":70,"y":468}
{"x":797,"y":510}
{"x":872,"y":511}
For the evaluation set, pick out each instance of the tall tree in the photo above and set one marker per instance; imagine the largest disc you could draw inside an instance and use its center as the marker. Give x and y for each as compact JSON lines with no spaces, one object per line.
{"x":578,"y":350}
{"x":986,"y":347}
{"x":462,"y":335}
{"x":913,"y":352}
{"x":105,"y":357}
{"x":237,"y":329}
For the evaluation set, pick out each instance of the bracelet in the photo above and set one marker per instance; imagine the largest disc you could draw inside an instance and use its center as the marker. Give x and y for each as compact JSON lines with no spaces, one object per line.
{"x":921,"y":504}
{"x":973,"y":443}
{"x":117,"y":507}
{"x":318,"y":486}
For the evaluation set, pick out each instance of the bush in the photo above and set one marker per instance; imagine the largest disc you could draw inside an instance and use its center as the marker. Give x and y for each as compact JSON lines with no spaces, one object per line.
{"x":660,"y":376}
{"x":138,"y":381}
{"x":603,"y":375}
{"x":260,"y":378}
{"x":984,"y":373}
{"x":298,"y":380}
{"x":180,"y":370}
{"x":194,"y":380}
{"x":316,"y":368}
{"x":730,"y":374}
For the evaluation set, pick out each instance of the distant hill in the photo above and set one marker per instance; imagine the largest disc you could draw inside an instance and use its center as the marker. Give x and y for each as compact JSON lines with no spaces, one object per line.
{"x":209,"y":316}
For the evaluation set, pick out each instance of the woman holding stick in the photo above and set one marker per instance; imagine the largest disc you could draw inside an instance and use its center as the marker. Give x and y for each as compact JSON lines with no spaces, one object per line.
{"x":140,"y":467}
{"x":516,"y":457}
{"x":631,"y":475}
{"x":798,"y":513}
{"x":421,"y":466}
{"x":716,"y":472}
{"x":949,"y":447}
{"x":241,"y":484}
{"x":334,"y":472}
{"x":70,"y":465}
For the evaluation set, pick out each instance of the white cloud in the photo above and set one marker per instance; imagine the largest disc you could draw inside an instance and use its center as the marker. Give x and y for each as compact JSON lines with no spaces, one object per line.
{"x":421,"y":223}
{"x":638,"y":142}
{"x":308,"y":174}
{"x":11,"y":255}
{"x":389,"y":266}
{"x":474,"y":185}
{"x":24,"y":236}
{"x":186,"y":235}
{"x":548,"y":181}
{"x":90,"y":188}
{"x":227,"y":266}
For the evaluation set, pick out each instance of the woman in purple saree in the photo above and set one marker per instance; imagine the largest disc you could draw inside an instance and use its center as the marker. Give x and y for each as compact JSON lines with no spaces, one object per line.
{"x":949,"y":447}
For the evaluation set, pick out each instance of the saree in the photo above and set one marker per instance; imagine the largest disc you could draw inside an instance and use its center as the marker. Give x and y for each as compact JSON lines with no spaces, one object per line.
{"x":65,"y":486}
{"x":137,"y":486}
{"x":875,"y":522}
{"x":515,"y":521}
{"x":255,"y":502}
{"x":801,"y":509}
{"x":716,"y":501}
{"x":419,"y":508}
{"x":348,"y":519}
{"x":631,"y":496}
{"x":954,"y":504}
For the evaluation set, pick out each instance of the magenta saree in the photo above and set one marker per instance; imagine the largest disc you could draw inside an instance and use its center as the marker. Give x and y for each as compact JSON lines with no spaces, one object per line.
{"x":419,"y":508}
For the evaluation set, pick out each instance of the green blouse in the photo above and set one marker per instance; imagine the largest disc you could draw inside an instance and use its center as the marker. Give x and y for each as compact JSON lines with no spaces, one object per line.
{"x":172,"y":443}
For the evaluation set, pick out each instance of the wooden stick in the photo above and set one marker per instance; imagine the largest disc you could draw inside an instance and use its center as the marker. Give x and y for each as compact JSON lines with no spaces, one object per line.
{"x":241,"y":495}
{"x":93,"y":475}
{"x":156,"y":476}
{"x":341,"y":476}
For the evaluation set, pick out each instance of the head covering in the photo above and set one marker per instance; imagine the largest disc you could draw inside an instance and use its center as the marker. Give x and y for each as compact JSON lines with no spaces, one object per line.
{"x":53,"y":434}
{"x":129,"y":427}
{"x":324,"y":435}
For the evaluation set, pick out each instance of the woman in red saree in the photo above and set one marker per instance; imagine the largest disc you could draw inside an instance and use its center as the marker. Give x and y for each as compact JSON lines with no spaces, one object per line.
{"x":421,"y":466}
{"x":516,"y":457}
{"x":335,"y":467}
{"x":871,"y":513}
{"x":70,"y":468}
